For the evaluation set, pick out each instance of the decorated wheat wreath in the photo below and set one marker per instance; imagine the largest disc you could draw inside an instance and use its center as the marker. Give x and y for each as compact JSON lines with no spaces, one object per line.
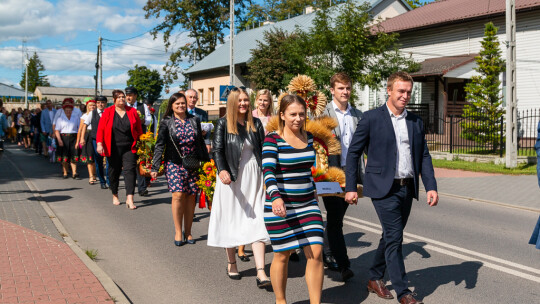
{"x":324,"y":142}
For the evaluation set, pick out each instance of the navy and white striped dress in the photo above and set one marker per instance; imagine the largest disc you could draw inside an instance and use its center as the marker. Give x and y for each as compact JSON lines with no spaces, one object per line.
{"x":287,"y":175}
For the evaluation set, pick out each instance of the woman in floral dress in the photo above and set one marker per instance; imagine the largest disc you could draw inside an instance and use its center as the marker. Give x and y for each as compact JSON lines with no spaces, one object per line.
{"x":179,"y":135}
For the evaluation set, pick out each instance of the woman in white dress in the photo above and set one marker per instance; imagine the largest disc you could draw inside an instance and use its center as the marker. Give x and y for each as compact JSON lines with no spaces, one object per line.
{"x":237,"y":210}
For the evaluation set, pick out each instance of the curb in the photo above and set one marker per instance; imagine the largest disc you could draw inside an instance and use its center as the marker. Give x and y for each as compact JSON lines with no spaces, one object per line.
{"x":478,"y":200}
{"x":107,"y":282}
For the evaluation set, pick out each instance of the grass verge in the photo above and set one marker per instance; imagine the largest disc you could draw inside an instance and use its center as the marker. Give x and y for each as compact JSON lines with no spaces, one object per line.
{"x":521,"y":169}
{"x":92,"y":254}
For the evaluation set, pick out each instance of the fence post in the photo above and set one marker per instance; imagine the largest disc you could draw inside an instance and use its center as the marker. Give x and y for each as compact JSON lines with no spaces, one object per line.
{"x":451,"y":133}
{"x":502,"y":138}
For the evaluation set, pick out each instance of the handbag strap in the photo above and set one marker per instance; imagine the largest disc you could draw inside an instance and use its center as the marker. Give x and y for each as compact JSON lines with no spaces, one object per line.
{"x":174,"y":144}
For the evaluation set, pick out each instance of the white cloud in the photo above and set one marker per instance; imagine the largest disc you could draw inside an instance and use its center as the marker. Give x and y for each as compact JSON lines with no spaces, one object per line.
{"x":86,"y":81}
{"x":32,"y":19}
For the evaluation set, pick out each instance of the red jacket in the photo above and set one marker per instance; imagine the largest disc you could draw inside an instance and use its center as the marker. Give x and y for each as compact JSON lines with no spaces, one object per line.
{"x":104,"y":131}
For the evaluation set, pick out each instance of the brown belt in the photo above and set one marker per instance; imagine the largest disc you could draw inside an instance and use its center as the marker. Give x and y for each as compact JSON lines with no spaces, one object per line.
{"x":403,"y":181}
{"x":68,"y":134}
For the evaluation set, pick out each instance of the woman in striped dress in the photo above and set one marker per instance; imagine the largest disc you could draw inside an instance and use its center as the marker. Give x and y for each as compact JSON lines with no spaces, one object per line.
{"x":291,"y":213}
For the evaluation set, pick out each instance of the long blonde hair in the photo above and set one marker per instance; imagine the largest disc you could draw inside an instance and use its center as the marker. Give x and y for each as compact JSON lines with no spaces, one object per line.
{"x":232,"y":113}
{"x":270,"y":110}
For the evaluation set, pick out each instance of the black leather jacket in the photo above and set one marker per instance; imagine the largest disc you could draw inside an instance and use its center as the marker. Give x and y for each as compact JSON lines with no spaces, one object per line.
{"x":165,"y":150}
{"x":228,"y":147}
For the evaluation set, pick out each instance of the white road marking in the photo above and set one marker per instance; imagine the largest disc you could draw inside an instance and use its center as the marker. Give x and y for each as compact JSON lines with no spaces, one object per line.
{"x":455,"y":251}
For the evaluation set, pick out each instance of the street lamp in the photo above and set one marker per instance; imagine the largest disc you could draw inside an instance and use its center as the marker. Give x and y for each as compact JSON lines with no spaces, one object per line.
{"x":26,"y":62}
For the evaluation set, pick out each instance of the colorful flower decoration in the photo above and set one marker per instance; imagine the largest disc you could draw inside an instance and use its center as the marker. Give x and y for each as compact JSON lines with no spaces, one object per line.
{"x":207,"y":182}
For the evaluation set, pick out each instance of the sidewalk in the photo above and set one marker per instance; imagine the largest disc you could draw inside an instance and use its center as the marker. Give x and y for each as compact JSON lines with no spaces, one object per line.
{"x":520,"y":191}
{"x":36,"y":265}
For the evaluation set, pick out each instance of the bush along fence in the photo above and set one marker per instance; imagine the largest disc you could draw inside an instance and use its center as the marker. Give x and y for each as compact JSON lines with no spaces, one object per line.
{"x":446,"y":134}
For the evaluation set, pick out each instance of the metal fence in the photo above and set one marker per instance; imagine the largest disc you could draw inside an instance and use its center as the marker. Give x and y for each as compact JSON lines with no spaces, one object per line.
{"x":445,"y":134}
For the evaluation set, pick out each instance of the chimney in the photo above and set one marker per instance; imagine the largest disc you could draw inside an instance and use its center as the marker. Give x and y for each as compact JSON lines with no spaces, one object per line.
{"x":309,"y":9}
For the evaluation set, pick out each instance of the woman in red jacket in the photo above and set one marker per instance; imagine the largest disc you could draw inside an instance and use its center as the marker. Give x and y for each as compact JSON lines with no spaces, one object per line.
{"x":117,"y":134}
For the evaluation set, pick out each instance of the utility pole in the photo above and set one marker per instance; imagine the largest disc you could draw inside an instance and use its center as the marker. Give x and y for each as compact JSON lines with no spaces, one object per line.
{"x":511,"y":103}
{"x":26,"y":61}
{"x":100,"y":52}
{"x":97,"y":71}
{"x":231,"y":63}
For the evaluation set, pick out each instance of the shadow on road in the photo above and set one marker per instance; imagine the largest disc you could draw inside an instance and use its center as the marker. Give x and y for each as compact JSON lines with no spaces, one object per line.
{"x":52,"y":198}
{"x":427,"y":280}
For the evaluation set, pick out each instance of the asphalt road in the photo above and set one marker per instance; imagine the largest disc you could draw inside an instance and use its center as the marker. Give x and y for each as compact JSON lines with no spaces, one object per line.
{"x":457,"y":252}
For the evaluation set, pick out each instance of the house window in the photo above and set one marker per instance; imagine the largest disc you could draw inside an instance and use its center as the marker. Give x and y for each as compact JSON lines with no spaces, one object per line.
{"x":201,"y":97}
{"x":211,"y":97}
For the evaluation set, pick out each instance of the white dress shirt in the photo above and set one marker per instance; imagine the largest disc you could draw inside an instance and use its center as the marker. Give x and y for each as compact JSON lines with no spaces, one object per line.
{"x":84,"y":117}
{"x":88,"y":119}
{"x":347,"y":128}
{"x":404,"y":167}
{"x":147,"y":115}
{"x":68,"y":126}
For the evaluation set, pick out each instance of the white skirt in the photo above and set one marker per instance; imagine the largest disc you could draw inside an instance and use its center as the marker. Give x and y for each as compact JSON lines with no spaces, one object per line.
{"x":237,"y":216}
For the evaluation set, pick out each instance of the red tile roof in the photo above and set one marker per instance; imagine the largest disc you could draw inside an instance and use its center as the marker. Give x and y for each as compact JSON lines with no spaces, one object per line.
{"x":451,"y":11}
{"x":442,"y":65}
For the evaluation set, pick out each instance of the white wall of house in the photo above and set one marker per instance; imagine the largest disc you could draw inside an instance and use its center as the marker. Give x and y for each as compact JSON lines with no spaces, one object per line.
{"x":466,"y":38}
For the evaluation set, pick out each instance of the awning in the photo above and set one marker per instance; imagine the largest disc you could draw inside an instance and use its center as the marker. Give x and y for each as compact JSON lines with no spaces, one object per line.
{"x":440,"y":66}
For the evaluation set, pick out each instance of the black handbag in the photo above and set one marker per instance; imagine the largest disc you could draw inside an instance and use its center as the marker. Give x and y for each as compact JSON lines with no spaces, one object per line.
{"x":190,"y":162}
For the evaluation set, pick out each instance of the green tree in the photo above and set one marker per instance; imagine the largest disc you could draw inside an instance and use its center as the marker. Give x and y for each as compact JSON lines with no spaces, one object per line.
{"x":274,"y":60}
{"x":36,"y":77}
{"x":203,"y":20}
{"x":483,"y":112}
{"x":342,"y":38}
{"x":416,"y":3}
{"x":147,"y":82}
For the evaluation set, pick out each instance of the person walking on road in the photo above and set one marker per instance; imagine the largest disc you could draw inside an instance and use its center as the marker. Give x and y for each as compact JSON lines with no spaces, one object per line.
{"x":291,"y":212}
{"x":47,"y":117}
{"x":535,"y":237}
{"x":66,"y":128}
{"x":264,"y":106}
{"x":142,"y":110}
{"x":180,"y":134}
{"x":192,"y":98}
{"x":237,"y":210}
{"x":397,"y":154}
{"x":3,"y":126}
{"x":335,"y":250}
{"x":92,"y":121}
{"x":116,"y":138}
{"x":84,"y":143}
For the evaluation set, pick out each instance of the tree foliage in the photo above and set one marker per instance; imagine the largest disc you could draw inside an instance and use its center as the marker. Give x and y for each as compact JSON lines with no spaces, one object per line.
{"x":147,"y":82}
{"x":483,"y":112}
{"x":342,"y":38}
{"x":416,"y":3}
{"x":36,"y":77}
{"x":203,"y":20}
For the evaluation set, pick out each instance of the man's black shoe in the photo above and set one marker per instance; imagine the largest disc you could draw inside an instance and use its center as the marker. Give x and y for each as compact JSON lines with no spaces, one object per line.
{"x":144,"y":193}
{"x":346,"y":274}
{"x":330,"y":263}
{"x":104,"y":186}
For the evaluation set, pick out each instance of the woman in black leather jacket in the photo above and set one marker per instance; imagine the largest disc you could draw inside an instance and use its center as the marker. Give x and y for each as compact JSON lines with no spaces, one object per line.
{"x":180,"y":133}
{"x":237,"y":208}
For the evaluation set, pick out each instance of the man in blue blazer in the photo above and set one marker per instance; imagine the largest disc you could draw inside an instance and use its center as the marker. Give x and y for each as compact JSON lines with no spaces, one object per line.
{"x":46,"y":121}
{"x":397,"y":153}
{"x":192,"y":98}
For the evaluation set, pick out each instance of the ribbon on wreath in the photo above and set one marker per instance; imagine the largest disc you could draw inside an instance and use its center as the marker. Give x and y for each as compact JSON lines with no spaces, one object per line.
{"x":202,"y":200}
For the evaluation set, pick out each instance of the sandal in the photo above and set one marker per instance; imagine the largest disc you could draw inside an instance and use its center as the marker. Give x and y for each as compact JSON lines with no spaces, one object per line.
{"x":233,"y":276}
{"x":263,"y":283}
{"x":91,"y":180}
{"x":244,"y":258}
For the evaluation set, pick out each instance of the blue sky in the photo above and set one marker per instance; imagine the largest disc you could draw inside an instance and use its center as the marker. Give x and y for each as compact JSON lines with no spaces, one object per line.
{"x":65,"y":35}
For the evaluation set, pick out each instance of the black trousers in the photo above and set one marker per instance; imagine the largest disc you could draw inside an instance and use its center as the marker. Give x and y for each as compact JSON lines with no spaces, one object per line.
{"x":393,"y":211}
{"x":122,"y":160}
{"x":335,"y":212}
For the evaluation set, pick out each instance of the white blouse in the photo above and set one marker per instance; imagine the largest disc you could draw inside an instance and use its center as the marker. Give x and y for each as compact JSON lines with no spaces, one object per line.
{"x":65,"y":125}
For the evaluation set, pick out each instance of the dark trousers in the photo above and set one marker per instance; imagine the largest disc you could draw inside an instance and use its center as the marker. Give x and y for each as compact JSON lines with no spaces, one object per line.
{"x":393,"y":211}
{"x":335,"y":212}
{"x":37,"y":143}
{"x":142,"y":182}
{"x":101,"y":172}
{"x":122,"y":160}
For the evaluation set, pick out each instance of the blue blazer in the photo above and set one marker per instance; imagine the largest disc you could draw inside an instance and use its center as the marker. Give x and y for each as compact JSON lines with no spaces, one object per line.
{"x":375,"y":135}
{"x":46,"y":123}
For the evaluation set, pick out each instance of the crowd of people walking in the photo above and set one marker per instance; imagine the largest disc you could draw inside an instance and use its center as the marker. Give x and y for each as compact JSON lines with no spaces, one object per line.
{"x":264,"y":193}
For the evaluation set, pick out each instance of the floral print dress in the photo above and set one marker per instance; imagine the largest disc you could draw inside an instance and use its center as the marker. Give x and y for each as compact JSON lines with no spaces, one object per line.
{"x":178,"y":178}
